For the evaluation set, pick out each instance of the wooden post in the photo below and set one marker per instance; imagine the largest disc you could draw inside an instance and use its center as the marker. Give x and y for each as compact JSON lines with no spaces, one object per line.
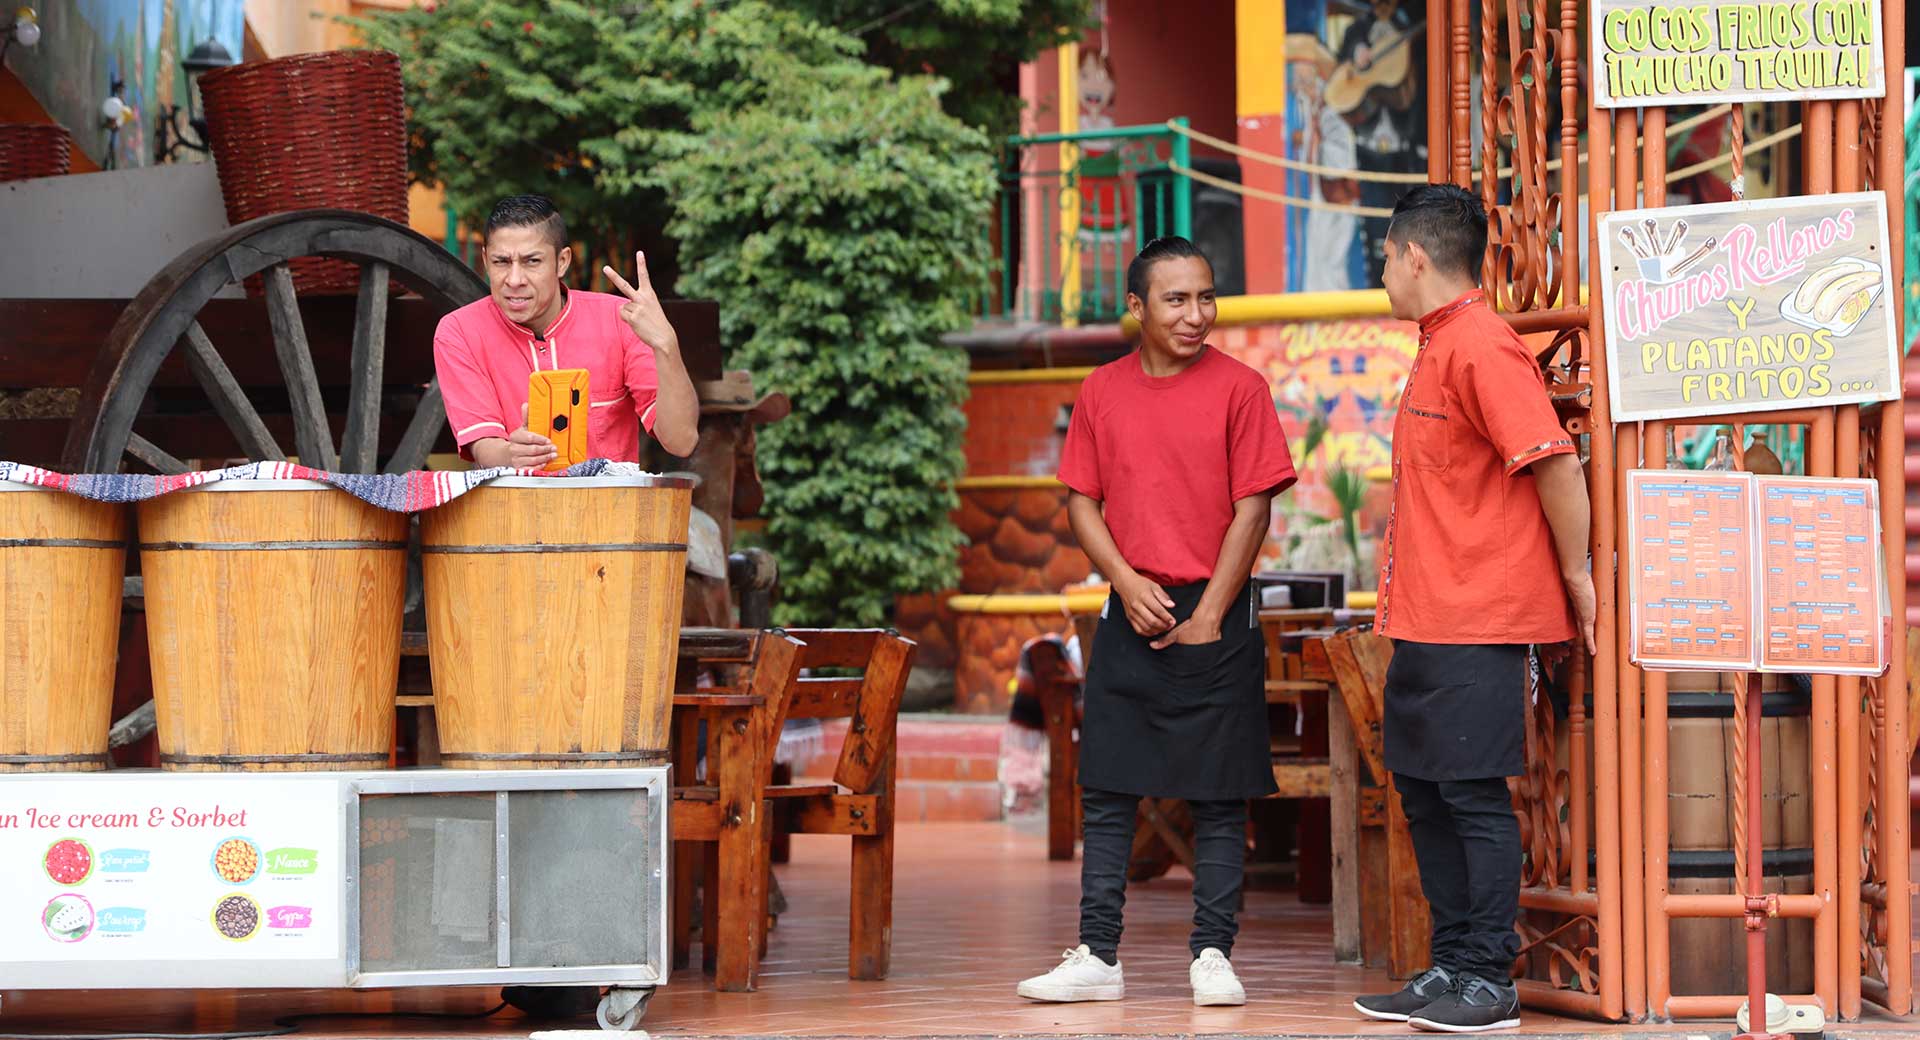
{"x":1343,"y":761}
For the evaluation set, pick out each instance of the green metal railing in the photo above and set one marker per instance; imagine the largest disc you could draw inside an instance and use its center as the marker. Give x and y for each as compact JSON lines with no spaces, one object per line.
{"x":1065,"y":230}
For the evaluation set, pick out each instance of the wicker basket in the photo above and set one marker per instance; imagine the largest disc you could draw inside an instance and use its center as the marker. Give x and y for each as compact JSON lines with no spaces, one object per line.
{"x":311,"y":131}
{"x":34,"y":150}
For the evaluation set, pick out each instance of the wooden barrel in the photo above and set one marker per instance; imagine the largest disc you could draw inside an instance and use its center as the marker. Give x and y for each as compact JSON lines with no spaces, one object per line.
{"x":62,"y":560}
{"x":1710,"y":954}
{"x":273,"y":620}
{"x":553,"y":619}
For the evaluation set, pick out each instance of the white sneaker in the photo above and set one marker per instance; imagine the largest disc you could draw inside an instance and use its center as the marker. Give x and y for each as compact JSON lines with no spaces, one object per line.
{"x":1214,"y":983}
{"x":1079,"y":976}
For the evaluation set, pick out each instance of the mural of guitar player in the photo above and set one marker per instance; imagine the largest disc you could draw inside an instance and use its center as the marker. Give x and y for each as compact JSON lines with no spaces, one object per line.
{"x":1377,"y":86}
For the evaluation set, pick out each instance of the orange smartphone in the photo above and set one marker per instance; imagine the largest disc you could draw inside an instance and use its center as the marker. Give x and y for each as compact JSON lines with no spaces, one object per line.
{"x":557,"y":409}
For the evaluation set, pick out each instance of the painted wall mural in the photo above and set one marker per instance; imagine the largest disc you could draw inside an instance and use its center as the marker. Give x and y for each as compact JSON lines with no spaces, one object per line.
{"x":1357,"y":102}
{"x":88,"y":45}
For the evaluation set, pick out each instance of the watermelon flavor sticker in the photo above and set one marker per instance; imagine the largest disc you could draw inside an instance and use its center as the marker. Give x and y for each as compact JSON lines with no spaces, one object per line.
{"x":68,"y":861}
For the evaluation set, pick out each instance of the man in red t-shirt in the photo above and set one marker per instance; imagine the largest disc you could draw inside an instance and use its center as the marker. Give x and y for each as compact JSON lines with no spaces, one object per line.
{"x":1485,"y":558}
{"x":1173,"y":456}
{"x":484,"y":352}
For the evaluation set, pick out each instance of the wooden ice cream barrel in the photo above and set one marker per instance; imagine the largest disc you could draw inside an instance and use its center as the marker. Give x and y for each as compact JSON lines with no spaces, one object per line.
{"x":62,"y":560}
{"x":273,"y":621}
{"x":553,"y":620}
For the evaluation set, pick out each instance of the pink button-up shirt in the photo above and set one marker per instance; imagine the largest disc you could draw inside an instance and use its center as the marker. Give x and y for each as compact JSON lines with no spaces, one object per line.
{"x":483,"y":361}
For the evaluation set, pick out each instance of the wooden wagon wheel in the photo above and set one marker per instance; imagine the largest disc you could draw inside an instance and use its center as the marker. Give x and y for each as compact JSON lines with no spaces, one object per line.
{"x":166,"y":313}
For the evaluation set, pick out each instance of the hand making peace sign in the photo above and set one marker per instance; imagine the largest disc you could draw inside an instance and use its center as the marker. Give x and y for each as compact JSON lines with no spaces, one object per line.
{"x":642,"y":311}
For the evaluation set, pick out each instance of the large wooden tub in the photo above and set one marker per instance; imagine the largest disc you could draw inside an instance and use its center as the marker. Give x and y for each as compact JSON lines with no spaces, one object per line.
{"x":553,"y":617}
{"x":62,"y":558}
{"x":273,"y":620}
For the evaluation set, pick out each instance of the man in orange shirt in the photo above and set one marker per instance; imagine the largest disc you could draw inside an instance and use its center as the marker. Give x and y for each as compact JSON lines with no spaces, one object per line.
{"x":1485,"y":558}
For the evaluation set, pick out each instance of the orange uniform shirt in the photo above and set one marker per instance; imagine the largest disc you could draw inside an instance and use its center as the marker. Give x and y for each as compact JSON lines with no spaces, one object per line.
{"x":1468,"y":556}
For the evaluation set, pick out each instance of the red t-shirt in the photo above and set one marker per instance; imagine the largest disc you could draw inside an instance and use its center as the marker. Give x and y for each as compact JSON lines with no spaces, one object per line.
{"x":1468,"y":556}
{"x":483,"y":361}
{"x":1168,"y":457}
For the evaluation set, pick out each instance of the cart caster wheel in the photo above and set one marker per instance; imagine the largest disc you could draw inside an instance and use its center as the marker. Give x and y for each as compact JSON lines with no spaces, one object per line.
{"x":622,"y":1009}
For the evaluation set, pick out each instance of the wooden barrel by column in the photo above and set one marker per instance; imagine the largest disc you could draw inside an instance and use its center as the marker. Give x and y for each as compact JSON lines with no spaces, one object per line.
{"x":553,"y":617}
{"x":1709,"y":954}
{"x":62,"y":560}
{"x":273,"y":620}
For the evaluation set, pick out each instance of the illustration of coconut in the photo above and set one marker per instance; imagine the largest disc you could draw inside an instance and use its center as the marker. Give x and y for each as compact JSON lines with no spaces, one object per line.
{"x":1836,"y":297}
{"x":67,"y":918}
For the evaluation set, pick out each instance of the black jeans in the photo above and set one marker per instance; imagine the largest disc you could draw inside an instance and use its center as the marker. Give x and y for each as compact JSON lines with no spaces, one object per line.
{"x":1219,"y":863}
{"x":1467,"y":842}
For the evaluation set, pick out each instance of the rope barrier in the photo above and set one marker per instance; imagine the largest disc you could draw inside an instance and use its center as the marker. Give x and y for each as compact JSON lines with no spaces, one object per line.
{"x":1297,"y":166}
{"x":1284,"y":200}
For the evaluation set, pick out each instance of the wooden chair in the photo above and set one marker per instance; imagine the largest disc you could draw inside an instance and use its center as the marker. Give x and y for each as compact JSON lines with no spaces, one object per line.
{"x":859,"y":802}
{"x":1058,"y":686}
{"x":720,"y":825}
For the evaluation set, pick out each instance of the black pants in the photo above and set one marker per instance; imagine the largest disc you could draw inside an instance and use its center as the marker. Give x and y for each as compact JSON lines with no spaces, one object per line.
{"x":1467,"y":842}
{"x":1219,"y":864}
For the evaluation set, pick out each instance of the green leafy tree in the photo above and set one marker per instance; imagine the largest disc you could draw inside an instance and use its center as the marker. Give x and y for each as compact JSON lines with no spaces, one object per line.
{"x":839,"y":222}
{"x":584,"y":101}
{"x":977,"y":45}
{"x":834,"y":210}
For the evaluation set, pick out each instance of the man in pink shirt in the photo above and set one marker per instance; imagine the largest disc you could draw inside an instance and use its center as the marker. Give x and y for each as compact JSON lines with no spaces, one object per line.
{"x":485,"y":352}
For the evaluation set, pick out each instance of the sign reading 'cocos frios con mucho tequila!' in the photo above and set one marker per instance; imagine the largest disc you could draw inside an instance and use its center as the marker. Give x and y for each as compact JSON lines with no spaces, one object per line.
{"x":1662,"y":53}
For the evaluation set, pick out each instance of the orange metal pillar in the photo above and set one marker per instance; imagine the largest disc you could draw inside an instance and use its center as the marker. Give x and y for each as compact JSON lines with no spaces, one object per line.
{"x":1600,"y":485}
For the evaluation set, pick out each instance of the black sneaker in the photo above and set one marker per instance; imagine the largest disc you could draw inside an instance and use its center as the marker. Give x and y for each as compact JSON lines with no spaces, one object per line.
{"x":1472,"y":1005}
{"x":1414,"y":996}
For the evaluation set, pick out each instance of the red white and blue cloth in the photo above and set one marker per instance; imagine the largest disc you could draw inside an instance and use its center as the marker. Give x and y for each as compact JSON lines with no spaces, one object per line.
{"x":400,"y":492}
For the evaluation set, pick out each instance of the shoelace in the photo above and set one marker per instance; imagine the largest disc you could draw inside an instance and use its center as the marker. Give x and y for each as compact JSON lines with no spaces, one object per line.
{"x":1213,"y":967}
{"x":1074,"y":956}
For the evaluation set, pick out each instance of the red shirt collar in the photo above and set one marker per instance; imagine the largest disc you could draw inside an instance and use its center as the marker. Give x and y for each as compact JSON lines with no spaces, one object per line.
{"x":566,"y":308}
{"x":1431,"y":321}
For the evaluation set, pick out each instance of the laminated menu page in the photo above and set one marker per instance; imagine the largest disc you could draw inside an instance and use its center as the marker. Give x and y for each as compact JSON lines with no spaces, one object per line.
{"x":1733,"y":572}
{"x":1822,"y":573}
{"x":1691,"y":554}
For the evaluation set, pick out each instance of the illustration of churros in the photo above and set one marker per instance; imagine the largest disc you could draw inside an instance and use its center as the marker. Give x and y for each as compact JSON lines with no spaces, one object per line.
{"x":1695,"y":258}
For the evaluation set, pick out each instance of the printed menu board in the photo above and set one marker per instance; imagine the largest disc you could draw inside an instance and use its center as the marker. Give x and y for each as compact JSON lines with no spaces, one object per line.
{"x":187,"y":872}
{"x":1692,"y":565}
{"x":1732,"y":572}
{"x":1821,"y":561}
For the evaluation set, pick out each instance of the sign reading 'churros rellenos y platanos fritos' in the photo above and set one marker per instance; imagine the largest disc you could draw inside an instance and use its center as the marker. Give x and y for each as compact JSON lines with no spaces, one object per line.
{"x":1658,"y":53}
{"x":1748,"y":306}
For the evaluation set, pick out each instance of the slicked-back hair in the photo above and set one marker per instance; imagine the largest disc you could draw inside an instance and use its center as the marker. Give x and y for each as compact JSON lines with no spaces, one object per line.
{"x":1166,"y":247}
{"x":534,"y":211}
{"x":1448,"y":222}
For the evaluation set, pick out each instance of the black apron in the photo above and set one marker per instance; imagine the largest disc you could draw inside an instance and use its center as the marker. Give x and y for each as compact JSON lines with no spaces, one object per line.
{"x":1185,"y":722}
{"x":1456,"y":711}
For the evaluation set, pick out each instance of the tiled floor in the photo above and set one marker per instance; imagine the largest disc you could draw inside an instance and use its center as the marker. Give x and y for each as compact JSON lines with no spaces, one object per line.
{"x":978,"y":908}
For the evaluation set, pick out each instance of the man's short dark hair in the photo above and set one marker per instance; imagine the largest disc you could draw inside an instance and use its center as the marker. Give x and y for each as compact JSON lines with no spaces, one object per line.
{"x":1448,"y":222}
{"x":1166,"y":247}
{"x":534,"y":211}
